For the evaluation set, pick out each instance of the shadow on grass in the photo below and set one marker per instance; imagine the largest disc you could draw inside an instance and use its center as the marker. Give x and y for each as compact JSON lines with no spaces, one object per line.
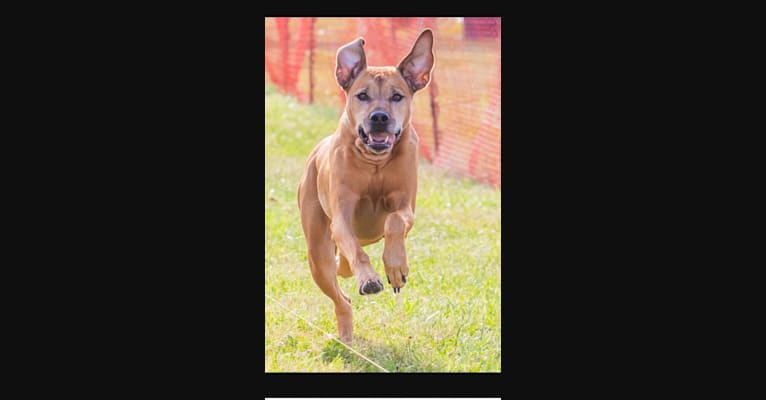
{"x":396,"y":359}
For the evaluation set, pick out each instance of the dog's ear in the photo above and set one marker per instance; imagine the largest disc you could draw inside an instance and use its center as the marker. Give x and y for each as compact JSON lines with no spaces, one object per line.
{"x":416,"y":66}
{"x":351,"y":61}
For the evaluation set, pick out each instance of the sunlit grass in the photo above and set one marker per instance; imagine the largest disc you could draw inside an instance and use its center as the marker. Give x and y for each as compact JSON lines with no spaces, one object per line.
{"x":447,"y":318}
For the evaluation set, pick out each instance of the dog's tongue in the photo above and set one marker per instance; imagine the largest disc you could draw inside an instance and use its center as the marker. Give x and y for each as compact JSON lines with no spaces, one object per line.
{"x":382,"y":138}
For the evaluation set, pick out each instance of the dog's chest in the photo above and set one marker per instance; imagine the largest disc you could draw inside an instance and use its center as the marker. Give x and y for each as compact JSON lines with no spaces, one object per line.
{"x":373,"y":205}
{"x":371,"y":211}
{"x":374,"y":198}
{"x":370,"y":217}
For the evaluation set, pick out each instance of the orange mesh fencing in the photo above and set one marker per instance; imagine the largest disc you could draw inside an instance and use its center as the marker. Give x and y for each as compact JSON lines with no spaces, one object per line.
{"x":457,"y":117}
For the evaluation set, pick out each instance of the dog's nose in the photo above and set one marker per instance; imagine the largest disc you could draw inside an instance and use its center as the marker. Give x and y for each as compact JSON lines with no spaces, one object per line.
{"x":379,"y":117}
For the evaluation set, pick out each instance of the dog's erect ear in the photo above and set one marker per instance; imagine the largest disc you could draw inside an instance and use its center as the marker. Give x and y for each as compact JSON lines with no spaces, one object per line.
{"x":416,"y":67}
{"x":351,"y":61}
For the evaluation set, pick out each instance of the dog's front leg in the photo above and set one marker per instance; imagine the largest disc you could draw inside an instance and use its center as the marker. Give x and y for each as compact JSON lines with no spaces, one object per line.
{"x":397,"y":226}
{"x":367,"y":280}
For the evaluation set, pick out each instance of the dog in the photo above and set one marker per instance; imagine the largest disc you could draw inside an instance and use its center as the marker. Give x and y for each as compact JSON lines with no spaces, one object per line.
{"x":359,"y":184}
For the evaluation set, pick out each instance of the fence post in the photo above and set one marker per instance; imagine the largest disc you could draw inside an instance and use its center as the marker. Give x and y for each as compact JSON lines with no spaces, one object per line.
{"x":284,"y":47}
{"x":432,"y":92}
{"x":311,"y":61}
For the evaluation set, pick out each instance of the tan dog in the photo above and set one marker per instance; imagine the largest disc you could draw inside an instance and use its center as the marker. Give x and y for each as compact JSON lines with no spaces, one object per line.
{"x":359,"y":184}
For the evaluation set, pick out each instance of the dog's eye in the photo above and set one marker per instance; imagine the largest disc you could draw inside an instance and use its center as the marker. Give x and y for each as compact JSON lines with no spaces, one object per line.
{"x":363,"y":96}
{"x":397,"y":97}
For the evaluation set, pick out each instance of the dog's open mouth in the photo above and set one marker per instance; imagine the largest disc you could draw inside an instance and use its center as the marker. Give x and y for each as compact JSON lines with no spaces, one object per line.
{"x":378,"y":141}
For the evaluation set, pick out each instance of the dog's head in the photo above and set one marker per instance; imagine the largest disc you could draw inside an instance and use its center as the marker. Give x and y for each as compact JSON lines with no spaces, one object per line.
{"x":379,"y":99}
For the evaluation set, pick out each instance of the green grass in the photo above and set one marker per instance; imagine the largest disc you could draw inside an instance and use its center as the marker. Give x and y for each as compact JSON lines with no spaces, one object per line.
{"x":447,"y":318}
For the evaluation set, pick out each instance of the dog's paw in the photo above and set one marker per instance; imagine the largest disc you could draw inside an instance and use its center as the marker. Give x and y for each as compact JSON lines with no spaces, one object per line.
{"x":368,"y":281}
{"x":398,"y":289}
{"x":371,"y":287}
{"x":397,"y":277}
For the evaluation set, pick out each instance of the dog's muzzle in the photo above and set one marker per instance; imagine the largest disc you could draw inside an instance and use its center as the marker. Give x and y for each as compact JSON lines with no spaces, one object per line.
{"x":379,"y":141}
{"x":378,"y":134}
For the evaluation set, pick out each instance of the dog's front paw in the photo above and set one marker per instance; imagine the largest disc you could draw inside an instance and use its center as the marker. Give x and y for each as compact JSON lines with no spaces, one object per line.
{"x":397,"y":277}
{"x":371,"y":287}
{"x":369,"y":282}
{"x":398,"y":289}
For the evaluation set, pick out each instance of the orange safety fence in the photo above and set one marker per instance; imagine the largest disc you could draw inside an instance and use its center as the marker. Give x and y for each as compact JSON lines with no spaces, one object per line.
{"x":457,"y":117}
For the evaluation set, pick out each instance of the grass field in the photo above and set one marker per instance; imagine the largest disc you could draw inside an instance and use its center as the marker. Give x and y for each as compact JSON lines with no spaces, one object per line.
{"x":447,"y":318}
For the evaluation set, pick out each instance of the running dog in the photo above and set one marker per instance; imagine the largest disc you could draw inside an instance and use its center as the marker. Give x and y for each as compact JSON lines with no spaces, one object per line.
{"x":359,"y":183}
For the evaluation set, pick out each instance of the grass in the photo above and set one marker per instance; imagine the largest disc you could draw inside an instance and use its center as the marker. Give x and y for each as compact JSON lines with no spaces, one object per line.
{"x":447,"y":318}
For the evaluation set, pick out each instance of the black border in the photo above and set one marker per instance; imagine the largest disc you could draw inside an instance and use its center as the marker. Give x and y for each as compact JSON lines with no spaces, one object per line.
{"x":160,"y":200}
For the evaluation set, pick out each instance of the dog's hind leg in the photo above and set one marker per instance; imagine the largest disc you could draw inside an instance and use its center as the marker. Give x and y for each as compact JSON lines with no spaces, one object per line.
{"x":344,"y":269}
{"x":321,"y":256}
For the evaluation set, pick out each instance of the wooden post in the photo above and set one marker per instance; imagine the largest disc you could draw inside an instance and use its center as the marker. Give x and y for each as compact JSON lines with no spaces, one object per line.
{"x":311,"y":61}
{"x":432,"y":91}
{"x":284,"y":47}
